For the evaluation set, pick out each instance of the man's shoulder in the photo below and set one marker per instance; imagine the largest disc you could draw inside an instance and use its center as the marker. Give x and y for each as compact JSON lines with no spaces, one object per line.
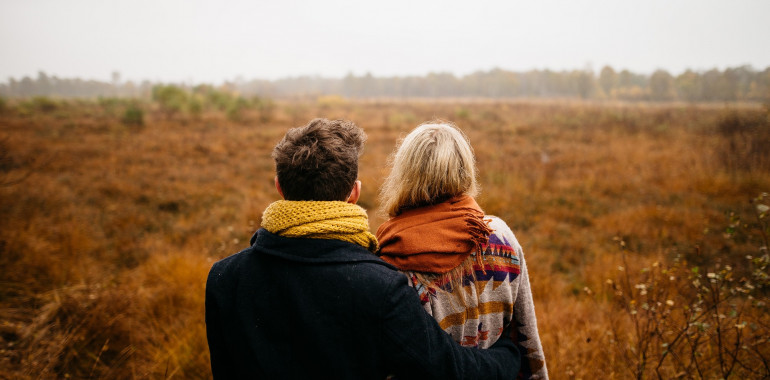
{"x":312,"y":251}
{"x":361,"y":268}
{"x":222,"y":272}
{"x":231,"y":261}
{"x":348,"y":268}
{"x":300,"y":252}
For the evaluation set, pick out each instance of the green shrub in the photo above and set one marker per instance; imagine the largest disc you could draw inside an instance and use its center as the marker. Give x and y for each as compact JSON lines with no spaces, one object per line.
{"x":133,"y":116}
{"x":217,"y":99}
{"x":462,"y":113}
{"x":195,"y":106}
{"x":265,"y":107}
{"x":235,"y":109}
{"x":44,"y":104}
{"x":171,"y":99}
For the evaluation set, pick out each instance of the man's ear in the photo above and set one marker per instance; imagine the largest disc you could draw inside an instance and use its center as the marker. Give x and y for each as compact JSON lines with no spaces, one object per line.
{"x":353,"y":197}
{"x":278,"y":187}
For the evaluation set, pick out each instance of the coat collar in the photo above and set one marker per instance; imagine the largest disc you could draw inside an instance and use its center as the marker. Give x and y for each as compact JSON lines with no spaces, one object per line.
{"x":321,"y":251}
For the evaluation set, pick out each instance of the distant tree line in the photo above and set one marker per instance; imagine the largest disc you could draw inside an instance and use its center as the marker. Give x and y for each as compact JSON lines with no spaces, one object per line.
{"x":45,"y":85}
{"x":732,"y":84}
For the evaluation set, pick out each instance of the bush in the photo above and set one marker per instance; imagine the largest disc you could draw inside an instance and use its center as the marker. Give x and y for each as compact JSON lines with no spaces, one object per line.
{"x":172,"y":99}
{"x":218,"y":99}
{"x":195,"y":106}
{"x":265,"y":107}
{"x":695,"y":321}
{"x":745,"y":141}
{"x":134,"y":116}
{"x":462,"y":113}
{"x":331,"y":101}
{"x":44,"y":104}
{"x":235,"y":109}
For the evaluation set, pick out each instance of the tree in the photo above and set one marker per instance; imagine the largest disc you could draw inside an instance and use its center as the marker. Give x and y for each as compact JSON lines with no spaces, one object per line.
{"x":608,"y":80}
{"x":661,"y":86}
{"x":115,"y":83}
{"x":42,"y":85}
{"x":710,"y":85}
{"x":760,"y":86}
{"x":584,"y":83}
{"x":737,"y":82}
{"x":688,"y":86}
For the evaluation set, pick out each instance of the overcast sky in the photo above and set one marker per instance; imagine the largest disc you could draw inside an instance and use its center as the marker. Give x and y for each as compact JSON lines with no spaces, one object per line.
{"x":212,"y":41}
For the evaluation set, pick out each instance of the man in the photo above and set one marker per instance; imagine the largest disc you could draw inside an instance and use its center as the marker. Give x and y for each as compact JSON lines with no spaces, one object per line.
{"x":309,"y":299}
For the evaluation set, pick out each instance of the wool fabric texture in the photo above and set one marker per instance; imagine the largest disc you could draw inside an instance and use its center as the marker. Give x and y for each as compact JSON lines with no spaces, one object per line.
{"x":335,"y":220}
{"x":494,"y":292}
{"x":434,"y":238}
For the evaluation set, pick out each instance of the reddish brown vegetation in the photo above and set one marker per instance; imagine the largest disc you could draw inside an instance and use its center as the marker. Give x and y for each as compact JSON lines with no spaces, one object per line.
{"x":108,"y":229}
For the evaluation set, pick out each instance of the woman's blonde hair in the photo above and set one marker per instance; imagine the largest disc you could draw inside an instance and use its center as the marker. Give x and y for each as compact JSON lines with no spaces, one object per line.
{"x":431,"y":164}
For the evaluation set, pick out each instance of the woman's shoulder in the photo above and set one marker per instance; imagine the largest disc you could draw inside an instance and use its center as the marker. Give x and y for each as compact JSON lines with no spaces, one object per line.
{"x":503,"y":254}
{"x":502,"y":234}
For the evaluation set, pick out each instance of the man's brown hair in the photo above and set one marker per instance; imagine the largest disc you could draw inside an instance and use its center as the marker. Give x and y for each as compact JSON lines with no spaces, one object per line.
{"x":319,"y":162}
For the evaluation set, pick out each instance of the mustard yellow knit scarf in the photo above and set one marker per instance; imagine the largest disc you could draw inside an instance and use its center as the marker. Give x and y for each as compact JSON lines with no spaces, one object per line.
{"x":320,"y":220}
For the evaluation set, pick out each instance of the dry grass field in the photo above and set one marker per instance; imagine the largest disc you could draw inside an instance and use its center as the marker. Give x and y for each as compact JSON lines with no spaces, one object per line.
{"x":644,"y":227}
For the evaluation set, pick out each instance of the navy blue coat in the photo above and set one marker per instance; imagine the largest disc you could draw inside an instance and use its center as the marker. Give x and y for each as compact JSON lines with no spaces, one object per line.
{"x":290,"y":308}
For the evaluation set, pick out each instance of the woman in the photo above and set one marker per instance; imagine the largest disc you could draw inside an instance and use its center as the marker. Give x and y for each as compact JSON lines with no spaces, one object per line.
{"x":467,"y":268}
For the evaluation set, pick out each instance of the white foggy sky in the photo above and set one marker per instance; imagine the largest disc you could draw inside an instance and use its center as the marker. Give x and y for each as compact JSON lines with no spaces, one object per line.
{"x":212,"y":41}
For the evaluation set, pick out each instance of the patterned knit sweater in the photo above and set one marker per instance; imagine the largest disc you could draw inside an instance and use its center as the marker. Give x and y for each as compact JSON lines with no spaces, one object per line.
{"x":499,"y":293}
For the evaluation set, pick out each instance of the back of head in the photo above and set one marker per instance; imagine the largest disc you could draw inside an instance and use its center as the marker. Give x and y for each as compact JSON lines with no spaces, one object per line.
{"x":319,"y":162}
{"x":433,"y":163}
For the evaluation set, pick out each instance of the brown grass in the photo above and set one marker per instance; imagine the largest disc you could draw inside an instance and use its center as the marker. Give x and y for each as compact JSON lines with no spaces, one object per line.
{"x":108,"y":230}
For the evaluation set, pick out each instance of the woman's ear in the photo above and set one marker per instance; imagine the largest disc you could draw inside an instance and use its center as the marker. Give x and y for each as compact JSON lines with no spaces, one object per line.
{"x":354,"y":194}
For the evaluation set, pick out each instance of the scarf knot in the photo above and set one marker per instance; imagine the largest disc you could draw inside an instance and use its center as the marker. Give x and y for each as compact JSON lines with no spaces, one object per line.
{"x":333,"y":220}
{"x":436,"y":238}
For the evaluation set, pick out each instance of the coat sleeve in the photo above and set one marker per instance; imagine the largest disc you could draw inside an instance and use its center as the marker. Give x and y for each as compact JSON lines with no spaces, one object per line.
{"x":416,"y":347}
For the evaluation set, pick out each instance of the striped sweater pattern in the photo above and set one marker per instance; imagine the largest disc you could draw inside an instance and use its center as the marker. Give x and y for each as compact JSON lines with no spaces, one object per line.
{"x":497,"y":294}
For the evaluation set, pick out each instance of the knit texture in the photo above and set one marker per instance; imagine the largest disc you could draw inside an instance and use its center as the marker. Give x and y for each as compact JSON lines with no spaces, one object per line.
{"x":334,"y":220}
{"x":493,"y":292}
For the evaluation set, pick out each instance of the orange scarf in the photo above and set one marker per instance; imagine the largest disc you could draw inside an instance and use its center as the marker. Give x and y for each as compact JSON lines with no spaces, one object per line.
{"x":434,"y":238}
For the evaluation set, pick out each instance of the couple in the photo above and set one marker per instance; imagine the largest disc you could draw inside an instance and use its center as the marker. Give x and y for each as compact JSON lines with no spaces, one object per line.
{"x":318,"y":296}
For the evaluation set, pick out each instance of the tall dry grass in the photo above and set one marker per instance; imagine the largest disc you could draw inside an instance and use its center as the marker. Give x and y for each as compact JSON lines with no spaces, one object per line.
{"x":108,"y":229}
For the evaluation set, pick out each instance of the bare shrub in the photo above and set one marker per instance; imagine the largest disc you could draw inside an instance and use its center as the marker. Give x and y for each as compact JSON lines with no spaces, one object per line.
{"x":695,"y":322}
{"x":12,"y":170}
{"x":746,"y":141}
{"x":79,"y":335}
